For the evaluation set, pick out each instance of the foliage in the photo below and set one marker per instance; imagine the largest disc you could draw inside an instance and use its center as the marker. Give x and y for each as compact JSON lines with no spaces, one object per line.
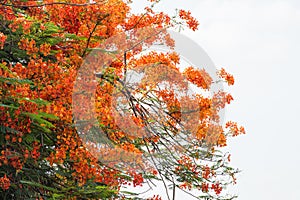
{"x":43,"y":154}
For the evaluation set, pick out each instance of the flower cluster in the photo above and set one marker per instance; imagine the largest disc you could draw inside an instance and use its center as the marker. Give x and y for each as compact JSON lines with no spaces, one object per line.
{"x":198,"y":77}
{"x":4,"y":182}
{"x":191,"y":21}
{"x":228,"y":77}
{"x":234,"y":129}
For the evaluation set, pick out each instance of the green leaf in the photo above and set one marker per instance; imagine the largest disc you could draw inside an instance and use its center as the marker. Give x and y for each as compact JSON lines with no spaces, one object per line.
{"x":36,"y":101}
{"x":74,"y":37}
{"x":48,"y":116}
{"x":39,"y":120}
{"x":34,"y":184}
{"x":8,"y":106}
{"x":15,"y":80}
{"x":29,"y":138}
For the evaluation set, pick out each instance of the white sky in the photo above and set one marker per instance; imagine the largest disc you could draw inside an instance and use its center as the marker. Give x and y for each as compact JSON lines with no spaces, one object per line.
{"x":259,"y":42}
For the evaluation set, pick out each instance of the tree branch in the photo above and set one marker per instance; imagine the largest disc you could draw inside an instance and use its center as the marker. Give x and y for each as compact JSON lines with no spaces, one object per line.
{"x":49,"y":4}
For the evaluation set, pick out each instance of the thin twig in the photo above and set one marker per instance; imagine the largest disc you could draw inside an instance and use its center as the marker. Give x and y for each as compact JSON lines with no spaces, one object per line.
{"x":48,"y":4}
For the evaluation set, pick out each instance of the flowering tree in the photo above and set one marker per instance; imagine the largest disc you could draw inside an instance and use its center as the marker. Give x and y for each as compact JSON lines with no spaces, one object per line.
{"x":74,"y":125}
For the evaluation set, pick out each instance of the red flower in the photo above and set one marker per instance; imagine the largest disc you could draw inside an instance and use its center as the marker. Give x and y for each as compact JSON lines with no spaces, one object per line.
{"x":4,"y":182}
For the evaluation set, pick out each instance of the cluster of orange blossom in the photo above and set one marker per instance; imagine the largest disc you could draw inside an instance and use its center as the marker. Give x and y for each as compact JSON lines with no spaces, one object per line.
{"x":43,"y":45}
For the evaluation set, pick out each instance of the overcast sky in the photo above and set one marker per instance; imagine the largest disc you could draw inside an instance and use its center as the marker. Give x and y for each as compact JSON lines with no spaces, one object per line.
{"x":259,"y":42}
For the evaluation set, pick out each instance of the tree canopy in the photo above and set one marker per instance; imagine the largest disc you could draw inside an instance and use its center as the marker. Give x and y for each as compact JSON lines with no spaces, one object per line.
{"x":74,"y":122}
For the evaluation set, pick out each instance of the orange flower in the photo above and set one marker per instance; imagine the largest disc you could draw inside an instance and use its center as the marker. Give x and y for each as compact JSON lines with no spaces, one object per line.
{"x":206,"y":172}
{"x":217,"y":188}
{"x":222,"y":140}
{"x":2,"y":40}
{"x":228,"y":77}
{"x":191,"y":21}
{"x":198,"y":77}
{"x":4,"y":182}
{"x":204,"y":187}
{"x":234,"y":129}
{"x":45,"y":49}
